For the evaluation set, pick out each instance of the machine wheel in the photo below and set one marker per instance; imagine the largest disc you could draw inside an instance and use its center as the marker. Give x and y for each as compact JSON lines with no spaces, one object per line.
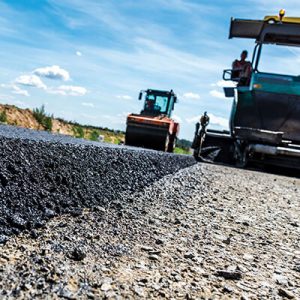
{"x":171,"y":144}
{"x":164,"y":144}
{"x":198,"y":142}
{"x":242,"y":161}
{"x":167,"y":141}
{"x":196,"y":155}
{"x":241,"y":156}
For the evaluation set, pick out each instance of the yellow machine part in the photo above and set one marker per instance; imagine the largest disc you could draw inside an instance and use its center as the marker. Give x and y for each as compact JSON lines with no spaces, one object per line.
{"x":284,"y":19}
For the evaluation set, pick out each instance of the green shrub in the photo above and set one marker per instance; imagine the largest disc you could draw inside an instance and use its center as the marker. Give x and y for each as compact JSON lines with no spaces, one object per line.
{"x":3,"y":117}
{"x":178,"y":150}
{"x":78,"y":132}
{"x":47,"y":123}
{"x":94,"y":135}
{"x":44,"y":119}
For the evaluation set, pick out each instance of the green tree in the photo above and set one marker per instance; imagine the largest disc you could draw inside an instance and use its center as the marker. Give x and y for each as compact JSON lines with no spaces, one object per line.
{"x":39,"y":113}
{"x":44,"y":119}
{"x":3,"y":117}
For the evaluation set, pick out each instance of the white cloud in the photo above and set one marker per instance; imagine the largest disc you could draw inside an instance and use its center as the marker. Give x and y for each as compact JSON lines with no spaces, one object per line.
{"x":223,"y":83}
{"x":68,"y":90}
{"x":78,"y":53}
{"x":220,"y":121}
{"x":53,"y":72}
{"x":124,"y":97}
{"x":217,"y":94}
{"x":4,"y":97}
{"x":165,"y":56}
{"x":290,"y":6}
{"x":88,"y":104}
{"x":192,"y":96}
{"x":157,"y":59}
{"x":90,"y":117}
{"x":177,"y":119}
{"x":17,"y":90}
{"x":31,"y":80}
{"x":49,"y":72}
{"x":213,"y":120}
{"x":73,"y":90}
{"x":56,"y":92}
{"x":118,"y":119}
{"x":193,"y":119}
{"x":3,"y":85}
{"x":18,"y":103}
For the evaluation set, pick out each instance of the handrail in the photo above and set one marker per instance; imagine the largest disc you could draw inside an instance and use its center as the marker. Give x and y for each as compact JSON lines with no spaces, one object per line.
{"x":229,"y":73}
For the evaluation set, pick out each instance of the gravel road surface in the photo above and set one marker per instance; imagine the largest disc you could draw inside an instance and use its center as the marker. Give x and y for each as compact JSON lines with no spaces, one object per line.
{"x":200,"y":232}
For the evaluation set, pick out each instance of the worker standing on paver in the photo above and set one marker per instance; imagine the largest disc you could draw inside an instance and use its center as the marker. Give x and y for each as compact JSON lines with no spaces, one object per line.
{"x":241,"y":69}
{"x":204,"y":120}
{"x":200,"y":134}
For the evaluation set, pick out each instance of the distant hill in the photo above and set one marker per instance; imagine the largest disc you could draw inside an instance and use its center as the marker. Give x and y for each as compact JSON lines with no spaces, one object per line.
{"x":38,"y":119}
{"x":184,"y":144}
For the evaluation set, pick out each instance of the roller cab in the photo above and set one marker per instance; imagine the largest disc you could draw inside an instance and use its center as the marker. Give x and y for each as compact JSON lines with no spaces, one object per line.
{"x":153,"y":128}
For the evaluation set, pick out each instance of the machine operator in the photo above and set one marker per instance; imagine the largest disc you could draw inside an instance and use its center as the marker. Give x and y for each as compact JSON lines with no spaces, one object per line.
{"x":241,"y":70}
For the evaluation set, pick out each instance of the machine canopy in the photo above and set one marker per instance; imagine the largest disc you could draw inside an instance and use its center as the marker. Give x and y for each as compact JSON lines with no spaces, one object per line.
{"x":266,"y":32}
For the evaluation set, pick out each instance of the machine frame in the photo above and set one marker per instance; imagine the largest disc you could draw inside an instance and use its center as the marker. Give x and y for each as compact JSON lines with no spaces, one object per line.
{"x":265,"y":115}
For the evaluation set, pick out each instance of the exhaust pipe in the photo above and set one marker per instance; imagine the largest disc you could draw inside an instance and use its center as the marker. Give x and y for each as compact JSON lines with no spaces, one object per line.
{"x":272,"y":150}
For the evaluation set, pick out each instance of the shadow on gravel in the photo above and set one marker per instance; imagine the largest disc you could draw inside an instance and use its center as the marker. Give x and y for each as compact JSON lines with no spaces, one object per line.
{"x":280,"y":171}
{"x":42,"y":179}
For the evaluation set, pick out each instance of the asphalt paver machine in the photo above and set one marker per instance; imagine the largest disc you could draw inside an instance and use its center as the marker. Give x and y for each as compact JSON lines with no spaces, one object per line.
{"x":264,"y":124}
{"x":153,"y":128}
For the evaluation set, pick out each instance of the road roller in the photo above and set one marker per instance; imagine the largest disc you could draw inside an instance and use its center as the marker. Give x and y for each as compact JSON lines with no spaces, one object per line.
{"x":153,"y":128}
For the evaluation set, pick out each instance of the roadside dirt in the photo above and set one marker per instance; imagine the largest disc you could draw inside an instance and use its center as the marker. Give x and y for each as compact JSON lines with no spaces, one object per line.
{"x":20,"y":117}
{"x":24,"y":118}
{"x":61,"y":127}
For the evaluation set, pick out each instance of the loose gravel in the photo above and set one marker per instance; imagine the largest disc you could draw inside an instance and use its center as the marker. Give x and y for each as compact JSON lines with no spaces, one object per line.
{"x":203,"y":232}
{"x":44,"y":175}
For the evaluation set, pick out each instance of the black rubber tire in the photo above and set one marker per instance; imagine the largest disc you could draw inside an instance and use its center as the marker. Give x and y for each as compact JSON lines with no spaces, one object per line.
{"x":164,"y":144}
{"x":172,"y":143}
{"x":242,"y":161}
{"x":196,"y":155}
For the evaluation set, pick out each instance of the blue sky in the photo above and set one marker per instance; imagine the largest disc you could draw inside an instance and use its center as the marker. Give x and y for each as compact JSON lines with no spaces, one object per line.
{"x":86,"y":60}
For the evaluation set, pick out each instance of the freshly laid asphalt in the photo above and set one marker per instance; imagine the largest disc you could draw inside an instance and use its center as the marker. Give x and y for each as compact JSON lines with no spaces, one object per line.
{"x":43,"y":175}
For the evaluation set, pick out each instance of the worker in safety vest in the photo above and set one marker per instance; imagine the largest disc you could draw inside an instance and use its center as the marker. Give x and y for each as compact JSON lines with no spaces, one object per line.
{"x":241,"y":70}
